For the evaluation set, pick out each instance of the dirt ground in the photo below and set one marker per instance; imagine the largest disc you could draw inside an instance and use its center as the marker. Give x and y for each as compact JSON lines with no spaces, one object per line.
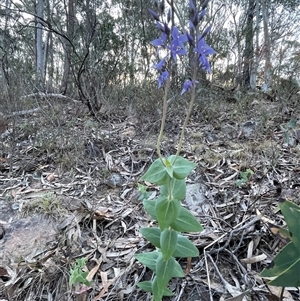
{"x":68,"y":190}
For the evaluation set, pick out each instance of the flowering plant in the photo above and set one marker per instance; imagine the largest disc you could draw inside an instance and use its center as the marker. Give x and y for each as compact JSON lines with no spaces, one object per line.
{"x":170,"y":173}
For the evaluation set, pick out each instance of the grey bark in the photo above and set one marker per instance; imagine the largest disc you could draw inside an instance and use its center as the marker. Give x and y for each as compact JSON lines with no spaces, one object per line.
{"x":249,"y":51}
{"x":267,"y":47}
{"x":40,"y":66}
{"x":67,"y":46}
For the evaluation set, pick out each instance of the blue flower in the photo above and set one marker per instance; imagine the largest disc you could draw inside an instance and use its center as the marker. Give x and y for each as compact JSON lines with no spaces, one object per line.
{"x":203,"y":51}
{"x":176,"y":46}
{"x":160,"y":64}
{"x":163,"y":78}
{"x":160,"y":41}
{"x":188,"y":85}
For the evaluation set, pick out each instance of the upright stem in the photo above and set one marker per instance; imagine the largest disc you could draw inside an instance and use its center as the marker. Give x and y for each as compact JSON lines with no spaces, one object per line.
{"x":163,"y":119}
{"x":192,"y":100}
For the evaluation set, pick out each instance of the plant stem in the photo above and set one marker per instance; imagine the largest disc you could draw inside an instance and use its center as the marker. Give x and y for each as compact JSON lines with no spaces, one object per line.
{"x":191,"y":103}
{"x":163,"y":118}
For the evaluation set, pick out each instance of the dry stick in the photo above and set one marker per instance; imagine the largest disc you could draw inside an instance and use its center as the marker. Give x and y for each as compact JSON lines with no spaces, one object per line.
{"x":183,"y":285}
{"x":222,"y":236}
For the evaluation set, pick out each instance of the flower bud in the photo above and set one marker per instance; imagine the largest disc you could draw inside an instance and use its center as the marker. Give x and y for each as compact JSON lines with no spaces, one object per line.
{"x":192,"y":9}
{"x":201,"y":15}
{"x":154,"y":15}
{"x":162,"y":6}
{"x":190,"y":39}
{"x":204,"y":4}
{"x":169,"y":16}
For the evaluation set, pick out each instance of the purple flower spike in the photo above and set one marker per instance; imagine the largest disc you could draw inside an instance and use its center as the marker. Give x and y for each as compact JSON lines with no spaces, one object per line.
{"x":154,"y":15}
{"x":176,"y":46}
{"x":187,"y":86}
{"x":163,"y":78}
{"x":160,"y":41}
{"x":203,"y":51}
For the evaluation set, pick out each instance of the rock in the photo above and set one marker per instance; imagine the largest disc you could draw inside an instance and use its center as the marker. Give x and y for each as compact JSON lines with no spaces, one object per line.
{"x":196,"y":199}
{"x":114,"y":180}
{"x":249,"y":127}
{"x":27,"y":238}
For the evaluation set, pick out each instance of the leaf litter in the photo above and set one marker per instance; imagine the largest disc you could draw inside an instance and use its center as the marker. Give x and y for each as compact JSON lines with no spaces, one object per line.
{"x":74,"y":195}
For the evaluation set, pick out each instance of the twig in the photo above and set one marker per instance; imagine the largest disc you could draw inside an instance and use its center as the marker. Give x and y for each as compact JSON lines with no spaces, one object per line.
{"x":183,"y":285}
{"x":206,"y":253}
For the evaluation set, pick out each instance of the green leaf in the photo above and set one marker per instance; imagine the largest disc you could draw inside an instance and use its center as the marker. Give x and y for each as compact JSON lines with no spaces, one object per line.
{"x":156,"y":290}
{"x":185,"y":248}
{"x":177,"y":271}
{"x":292,"y":123}
{"x":178,"y":189}
{"x":285,"y":267}
{"x":168,"y":241}
{"x":169,"y":170}
{"x":144,"y":193}
{"x":147,"y":286}
{"x":149,"y":206}
{"x":186,"y":222}
{"x":164,"y":271}
{"x":153,"y":235}
{"x":182,"y":167}
{"x":148,"y":259}
{"x":156,"y":173}
{"x":166,"y":211}
{"x":291,"y":214}
{"x":240,"y":182}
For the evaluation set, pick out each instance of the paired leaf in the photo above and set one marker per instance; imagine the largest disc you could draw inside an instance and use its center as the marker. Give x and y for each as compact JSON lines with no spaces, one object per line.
{"x":157,"y":173}
{"x":186,"y":222}
{"x":153,"y":235}
{"x":181,"y":167}
{"x":185,"y":248}
{"x":149,"y":206}
{"x":164,"y":271}
{"x":166,"y":211}
{"x":147,"y":287}
{"x":148,"y":259}
{"x":168,"y":241}
{"x":178,"y":189}
{"x":172,"y":218}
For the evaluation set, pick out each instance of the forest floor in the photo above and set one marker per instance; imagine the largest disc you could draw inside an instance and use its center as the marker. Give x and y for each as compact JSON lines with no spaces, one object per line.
{"x":68,"y":190}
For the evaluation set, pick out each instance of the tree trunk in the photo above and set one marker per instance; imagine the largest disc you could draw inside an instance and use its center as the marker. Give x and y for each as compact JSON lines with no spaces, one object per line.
{"x":68,"y":46}
{"x":40,"y":67}
{"x":255,"y":64}
{"x":267,"y":48}
{"x":248,"y":52}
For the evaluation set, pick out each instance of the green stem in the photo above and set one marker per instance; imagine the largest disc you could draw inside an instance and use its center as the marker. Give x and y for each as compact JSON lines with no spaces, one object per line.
{"x":163,"y":119}
{"x":191,"y":103}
